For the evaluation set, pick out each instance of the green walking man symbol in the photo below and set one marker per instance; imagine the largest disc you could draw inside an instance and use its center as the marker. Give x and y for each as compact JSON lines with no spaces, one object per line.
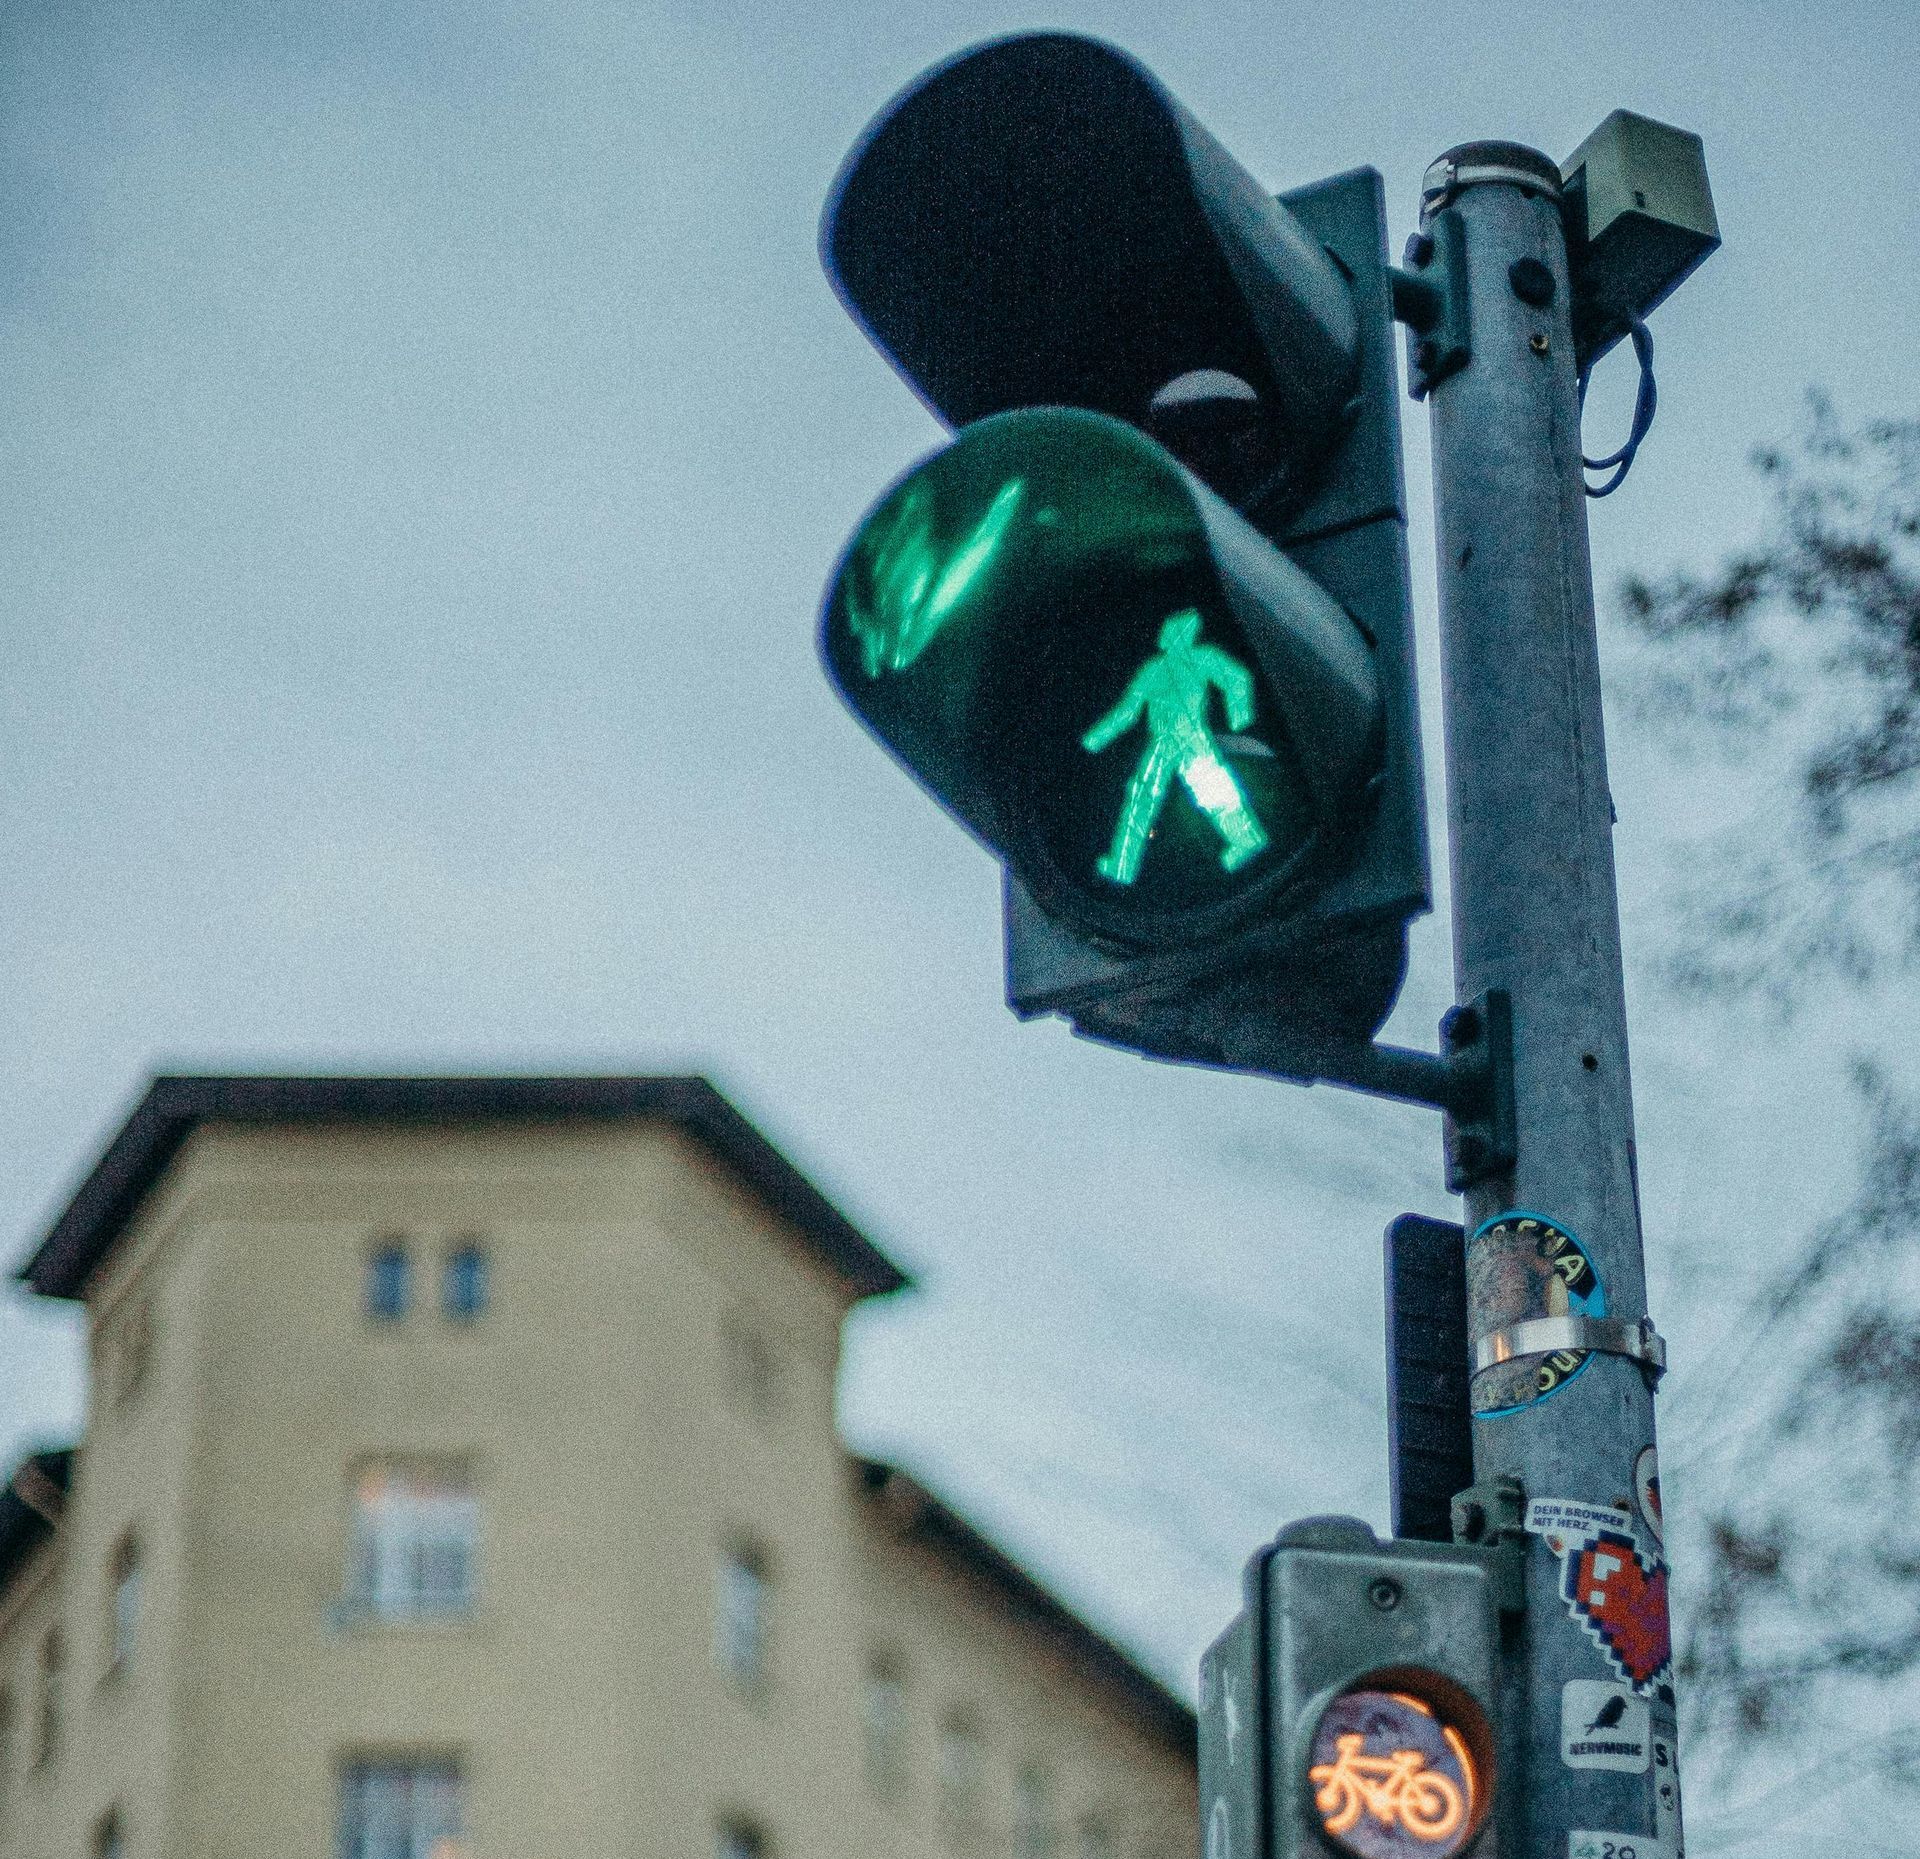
{"x":1175,"y":688}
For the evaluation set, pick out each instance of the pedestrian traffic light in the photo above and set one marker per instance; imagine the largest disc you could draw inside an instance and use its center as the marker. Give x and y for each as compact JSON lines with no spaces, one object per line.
{"x":1063,"y":631}
{"x":1352,"y":1709}
{"x":1143,"y":626}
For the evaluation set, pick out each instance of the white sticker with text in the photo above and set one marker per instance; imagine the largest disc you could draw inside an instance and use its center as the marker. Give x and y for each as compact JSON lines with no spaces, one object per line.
{"x":1571,"y":1521}
{"x":1666,"y":1790}
{"x":1617,"y":1846}
{"x":1604,"y":1726}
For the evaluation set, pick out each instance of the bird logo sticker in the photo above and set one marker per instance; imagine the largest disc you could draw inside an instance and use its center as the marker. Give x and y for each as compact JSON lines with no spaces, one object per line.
{"x":1605,"y":1726}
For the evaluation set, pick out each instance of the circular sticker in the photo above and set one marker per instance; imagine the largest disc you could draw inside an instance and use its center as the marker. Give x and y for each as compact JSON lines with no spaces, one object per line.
{"x":1390,"y":1777}
{"x":1646,"y":1491}
{"x":1522,"y":1265}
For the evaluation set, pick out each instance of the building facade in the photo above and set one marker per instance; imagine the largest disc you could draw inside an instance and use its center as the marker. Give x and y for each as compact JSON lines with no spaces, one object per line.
{"x":461,"y":1481}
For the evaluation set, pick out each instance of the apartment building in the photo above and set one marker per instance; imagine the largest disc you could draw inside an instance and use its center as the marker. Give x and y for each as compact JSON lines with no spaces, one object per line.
{"x":461,"y":1481}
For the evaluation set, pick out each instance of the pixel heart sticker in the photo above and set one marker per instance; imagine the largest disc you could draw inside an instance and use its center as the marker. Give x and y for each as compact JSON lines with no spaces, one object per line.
{"x":1622,"y":1602}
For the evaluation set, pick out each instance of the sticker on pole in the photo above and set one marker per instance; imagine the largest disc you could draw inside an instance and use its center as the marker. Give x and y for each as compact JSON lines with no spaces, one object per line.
{"x":1617,"y":1846}
{"x":1566,"y":1521}
{"x":1646,"y":1491}
{"x":1605,"y":1726}
{"x":1666,"y":1787}
{"x":1617,"y":1594}
{"x":1622,"y":1602}
{"x":1521,"y":1266}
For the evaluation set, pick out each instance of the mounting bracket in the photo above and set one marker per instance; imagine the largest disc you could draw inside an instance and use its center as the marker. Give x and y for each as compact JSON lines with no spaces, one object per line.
{"x":1493,"y":1516}
{"x":1431,"y":299}
{"x":1470,"y":1079}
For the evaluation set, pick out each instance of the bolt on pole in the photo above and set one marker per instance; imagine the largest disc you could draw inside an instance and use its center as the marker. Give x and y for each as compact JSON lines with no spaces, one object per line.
{"x":1565,"y":1364}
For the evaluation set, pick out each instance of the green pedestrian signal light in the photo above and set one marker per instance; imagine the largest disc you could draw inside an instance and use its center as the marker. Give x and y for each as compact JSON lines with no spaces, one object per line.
{"x":1171,"y":692}
{"x":1143,"y":626}
{"x":1154,"y":717}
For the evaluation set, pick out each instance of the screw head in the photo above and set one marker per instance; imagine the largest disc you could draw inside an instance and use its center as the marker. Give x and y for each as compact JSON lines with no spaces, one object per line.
{"x":1384,"y":1593}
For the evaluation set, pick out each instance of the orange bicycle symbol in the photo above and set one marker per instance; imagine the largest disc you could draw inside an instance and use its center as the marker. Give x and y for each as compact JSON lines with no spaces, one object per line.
{"x":1396,"y":1787}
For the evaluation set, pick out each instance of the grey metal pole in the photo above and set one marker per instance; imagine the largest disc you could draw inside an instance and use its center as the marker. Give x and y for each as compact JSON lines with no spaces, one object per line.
{"x":1535,"y":913}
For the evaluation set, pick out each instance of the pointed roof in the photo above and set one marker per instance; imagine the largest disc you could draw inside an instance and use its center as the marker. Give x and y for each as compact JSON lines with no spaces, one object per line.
{"x":174,"y":1107}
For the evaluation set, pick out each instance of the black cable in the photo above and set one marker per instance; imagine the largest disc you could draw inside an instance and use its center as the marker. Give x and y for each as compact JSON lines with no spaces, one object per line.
{"x":1644,"y":402}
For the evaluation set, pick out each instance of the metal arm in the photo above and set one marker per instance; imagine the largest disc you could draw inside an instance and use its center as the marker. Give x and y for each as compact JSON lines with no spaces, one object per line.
{"x":1470,"y":1079}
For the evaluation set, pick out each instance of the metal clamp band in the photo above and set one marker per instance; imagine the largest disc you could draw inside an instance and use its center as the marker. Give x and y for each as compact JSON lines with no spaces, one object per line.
{"x":1609,"y":1336}
{"x":1476,"y":164}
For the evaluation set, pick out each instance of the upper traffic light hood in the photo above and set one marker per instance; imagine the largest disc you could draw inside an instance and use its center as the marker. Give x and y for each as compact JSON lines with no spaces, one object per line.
{"x":955,"y":234}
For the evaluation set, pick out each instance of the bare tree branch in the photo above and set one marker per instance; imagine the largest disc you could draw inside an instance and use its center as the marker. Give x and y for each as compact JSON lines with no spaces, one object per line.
{"x":1806,"y":649}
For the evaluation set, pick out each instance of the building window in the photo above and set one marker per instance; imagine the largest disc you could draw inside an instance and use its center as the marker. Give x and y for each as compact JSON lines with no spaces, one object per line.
{"x":884,"y":1721}
{"x":963,"y":1777}
{"x":1096,"y":1838}
{"x":53,"y":1661}
{"x":1035,"y":1835}
{"x":415,"y":1529}
{"x":740,"y":1617}
{"x":884,"y":1715}
{"x":463,"y":1282}
{"x":109,"y":1840}
{"x":408,"y":1809}
{"x":132,"y":1352}
{"x":741,"y":1839}
{"x":752,"y":1370}
{"x":123,"y":1603}
{"x":389,"y":1281}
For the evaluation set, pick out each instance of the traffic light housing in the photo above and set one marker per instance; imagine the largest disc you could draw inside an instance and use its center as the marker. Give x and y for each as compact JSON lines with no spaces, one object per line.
{"x":1352,"y":1709}
{"x":1144,"y":627}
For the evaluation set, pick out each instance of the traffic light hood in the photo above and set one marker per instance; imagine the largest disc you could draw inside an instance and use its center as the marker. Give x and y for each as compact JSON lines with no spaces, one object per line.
{"x":956,"y":235}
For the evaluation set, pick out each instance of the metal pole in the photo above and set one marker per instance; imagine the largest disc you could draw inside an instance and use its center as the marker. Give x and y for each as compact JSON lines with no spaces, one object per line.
{"x":1535,"y":913}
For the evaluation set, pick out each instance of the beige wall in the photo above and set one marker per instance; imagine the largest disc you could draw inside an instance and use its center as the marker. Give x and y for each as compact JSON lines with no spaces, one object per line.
{"x":117,"y":1729}
{"x":614,"y":1458}
{"x":960,"y":1653}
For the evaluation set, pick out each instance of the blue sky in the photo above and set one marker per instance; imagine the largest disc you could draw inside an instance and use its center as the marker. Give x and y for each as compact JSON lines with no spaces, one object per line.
{"x":427,"y":432}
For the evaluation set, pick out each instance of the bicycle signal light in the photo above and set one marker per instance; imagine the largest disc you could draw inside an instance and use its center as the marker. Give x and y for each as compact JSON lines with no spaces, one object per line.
{"x":1391,"y":1775}
{"x":1352,"y":1709}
